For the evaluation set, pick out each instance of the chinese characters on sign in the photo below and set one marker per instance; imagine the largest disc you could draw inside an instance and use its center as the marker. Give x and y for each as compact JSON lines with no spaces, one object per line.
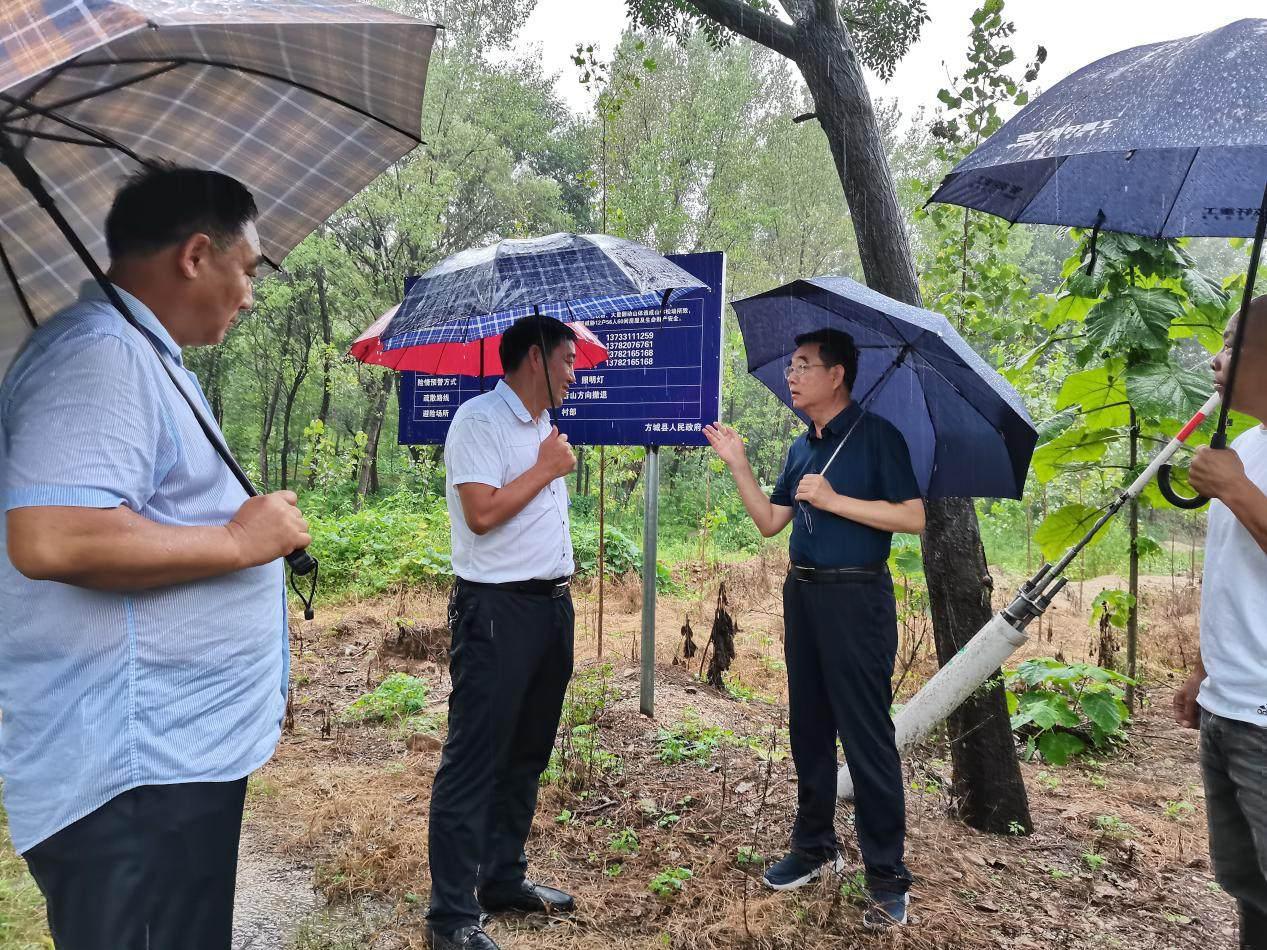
{"x":660,"y":384}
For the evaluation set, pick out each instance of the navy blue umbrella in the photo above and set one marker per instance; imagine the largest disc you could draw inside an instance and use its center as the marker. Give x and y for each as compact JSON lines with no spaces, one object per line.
{"x":967,"y":429}
{"x":1164,"y":140}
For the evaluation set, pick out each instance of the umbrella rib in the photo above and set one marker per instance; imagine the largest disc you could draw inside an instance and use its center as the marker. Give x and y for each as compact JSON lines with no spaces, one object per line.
{"x":261,"y":73}
{"x":51,"y":137}
{"x":1060,"y":162}
{"x":17,"y":287}
{"x":84,"y":130}
{"x":1178,"y":191}
{"x":92,"y":94}
{"x":35,"y":90}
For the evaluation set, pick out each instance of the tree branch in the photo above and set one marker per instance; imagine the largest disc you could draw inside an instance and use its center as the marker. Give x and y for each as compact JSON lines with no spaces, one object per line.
{"x":738,"y":17}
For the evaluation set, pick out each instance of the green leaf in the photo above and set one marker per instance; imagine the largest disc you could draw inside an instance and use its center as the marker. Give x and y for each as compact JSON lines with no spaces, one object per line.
{"x":1071,"y":448}
{"x":1046,"y":709}
{"x":1059,"y":747}
{"x":1207,"y":295}
{"x":1052,"y":426}
{"x":1103,"y":708}
{"x":1100,"y":393}
{"x":1137,"y":318}
{"x":1062,"y":528}
{"x":1068,"y":308}
{"x":1147,"y":547}
{"x":1167,"y":390}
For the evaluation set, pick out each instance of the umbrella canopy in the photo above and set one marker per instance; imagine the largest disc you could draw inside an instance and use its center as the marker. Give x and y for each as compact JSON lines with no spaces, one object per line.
{"x":567,"y":276}
{"x":1164,"y":140}
{"x":304,"y":101}
{"x":967,"y":429}
{"x":475,"y":357}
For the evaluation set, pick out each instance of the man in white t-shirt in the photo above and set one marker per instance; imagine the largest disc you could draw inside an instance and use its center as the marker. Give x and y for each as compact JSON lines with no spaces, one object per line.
{"x":1226,"y":695}
{"x":511,"y":622}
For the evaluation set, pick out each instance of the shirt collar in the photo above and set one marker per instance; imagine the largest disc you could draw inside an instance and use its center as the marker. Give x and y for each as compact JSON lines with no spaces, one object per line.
{"x":840,"y":422}
{"x":91,"y":290}
{"x":512,"y":399}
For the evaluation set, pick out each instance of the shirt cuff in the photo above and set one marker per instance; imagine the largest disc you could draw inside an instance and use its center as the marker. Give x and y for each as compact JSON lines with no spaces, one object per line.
{"x":71,"y":496}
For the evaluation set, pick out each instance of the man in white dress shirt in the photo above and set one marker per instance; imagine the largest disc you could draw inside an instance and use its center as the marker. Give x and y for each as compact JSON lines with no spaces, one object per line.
{"x":1226,"y":695}
{"x":511,"y":620}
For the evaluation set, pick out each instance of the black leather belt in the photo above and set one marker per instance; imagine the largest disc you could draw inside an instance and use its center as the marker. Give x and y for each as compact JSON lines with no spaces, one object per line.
{"x":838,"y":575}
{"x":558,"y":587}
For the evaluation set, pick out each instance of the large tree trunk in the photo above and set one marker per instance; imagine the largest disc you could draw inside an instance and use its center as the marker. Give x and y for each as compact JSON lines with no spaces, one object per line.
{"x":987,"y":789}
{"x":991,"y":793}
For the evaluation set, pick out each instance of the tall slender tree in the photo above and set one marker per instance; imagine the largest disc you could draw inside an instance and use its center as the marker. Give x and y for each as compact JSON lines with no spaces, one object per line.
{"x":830,"y":42}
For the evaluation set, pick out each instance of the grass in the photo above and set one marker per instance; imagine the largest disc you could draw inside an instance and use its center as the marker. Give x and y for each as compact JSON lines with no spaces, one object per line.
{"x":22,"y":921}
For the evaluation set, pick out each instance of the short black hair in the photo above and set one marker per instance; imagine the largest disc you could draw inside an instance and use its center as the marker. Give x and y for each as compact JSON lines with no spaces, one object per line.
{"x":836,"y":348}
{"x":527,"y":332}
{"x":167,"y":204}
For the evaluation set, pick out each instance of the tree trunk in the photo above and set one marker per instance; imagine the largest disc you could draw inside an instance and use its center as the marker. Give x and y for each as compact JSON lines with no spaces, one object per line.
{"x":989,"y":789}
{"x":367,"y":478}
{"x":266,"y":430}
{"x":1132,"y":615}
{"x":291,"y":393}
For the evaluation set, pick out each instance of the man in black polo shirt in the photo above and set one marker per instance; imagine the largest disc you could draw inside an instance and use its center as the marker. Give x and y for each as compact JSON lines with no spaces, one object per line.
{"x":839,"y":616}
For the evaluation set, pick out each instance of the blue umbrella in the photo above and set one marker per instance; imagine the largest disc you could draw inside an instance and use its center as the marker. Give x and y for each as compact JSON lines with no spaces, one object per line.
{"x":967,"y":429}
{"x":1164,"y":140}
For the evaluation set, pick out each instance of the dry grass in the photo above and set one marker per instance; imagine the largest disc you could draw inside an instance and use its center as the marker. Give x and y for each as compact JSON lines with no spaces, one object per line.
{"x":1118,"y":858}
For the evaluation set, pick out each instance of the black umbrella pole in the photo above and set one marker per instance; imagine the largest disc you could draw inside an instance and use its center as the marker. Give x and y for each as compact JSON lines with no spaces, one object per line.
{"x":1219,"y":439}
{"x":301,"y":562}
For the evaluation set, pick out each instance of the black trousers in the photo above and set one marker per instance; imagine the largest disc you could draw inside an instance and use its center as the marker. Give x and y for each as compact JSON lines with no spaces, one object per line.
{"x":840,"y":643}
{"x":152,"y":869}
{"x":510,"y":659}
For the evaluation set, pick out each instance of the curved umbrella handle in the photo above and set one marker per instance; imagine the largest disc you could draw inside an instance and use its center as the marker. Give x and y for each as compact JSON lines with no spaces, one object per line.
{"x":1177,"y":500}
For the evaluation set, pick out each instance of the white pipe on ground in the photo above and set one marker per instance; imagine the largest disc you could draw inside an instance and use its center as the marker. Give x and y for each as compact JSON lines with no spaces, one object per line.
{"x":954,"y":683}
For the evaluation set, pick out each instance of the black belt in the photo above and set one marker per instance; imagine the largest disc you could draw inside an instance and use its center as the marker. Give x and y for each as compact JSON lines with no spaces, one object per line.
{"x":558,"y":587}
{"x":838,"y":575}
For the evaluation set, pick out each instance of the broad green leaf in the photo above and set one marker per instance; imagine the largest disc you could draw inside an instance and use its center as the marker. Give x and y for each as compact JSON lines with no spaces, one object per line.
{"x":1118,"y":602}
{"x":1103,"y":708}
{"x":1138,"y":318}
{"x":1066,"y":308}
{"x":1052,"y":426}
{"x":1100,"y":393}
{"x":1167,"y":390}
{"x":1059,"y":747}
{"x":1070,"y":448}
{"x":1046,"y":709}
{"x":1207,"y":295}
{"x":1062,"y":528}
{"x":1012,"y":702}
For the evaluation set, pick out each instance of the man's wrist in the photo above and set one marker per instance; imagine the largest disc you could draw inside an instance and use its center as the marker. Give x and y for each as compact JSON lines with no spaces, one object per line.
{"x":1240,"y":493}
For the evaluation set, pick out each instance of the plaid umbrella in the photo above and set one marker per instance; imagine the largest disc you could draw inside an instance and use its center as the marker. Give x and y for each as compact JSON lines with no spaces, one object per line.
{"x":482,"y":291}
{"x":476,"y":357}
{"x":304,"y":101}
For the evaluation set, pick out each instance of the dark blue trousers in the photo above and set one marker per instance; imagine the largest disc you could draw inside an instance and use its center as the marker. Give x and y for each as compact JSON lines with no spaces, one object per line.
{"x":840,"y":644}
{"x":152,"y":869}
{"x":510,"y":659}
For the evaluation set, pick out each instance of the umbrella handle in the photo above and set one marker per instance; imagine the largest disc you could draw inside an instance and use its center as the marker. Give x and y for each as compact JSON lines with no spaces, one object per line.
{"x":301,"y":562}
{"x":1177,"y":500}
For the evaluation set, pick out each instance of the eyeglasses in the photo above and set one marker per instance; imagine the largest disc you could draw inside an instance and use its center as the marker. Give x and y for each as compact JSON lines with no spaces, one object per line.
{"x":796,"y":372}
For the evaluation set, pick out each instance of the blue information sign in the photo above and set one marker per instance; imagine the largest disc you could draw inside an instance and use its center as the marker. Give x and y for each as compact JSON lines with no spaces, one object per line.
{"x":660,"y":384}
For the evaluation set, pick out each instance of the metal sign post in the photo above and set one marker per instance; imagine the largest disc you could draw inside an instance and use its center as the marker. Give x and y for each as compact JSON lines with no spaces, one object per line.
{"x":651,"y":520}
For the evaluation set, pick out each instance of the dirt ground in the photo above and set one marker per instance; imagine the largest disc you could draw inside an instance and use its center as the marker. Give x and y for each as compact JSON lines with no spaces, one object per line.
{"x":1117,"y":860}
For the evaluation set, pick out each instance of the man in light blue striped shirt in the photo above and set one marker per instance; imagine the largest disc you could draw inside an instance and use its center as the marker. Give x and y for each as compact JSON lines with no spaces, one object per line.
{"x":143,"y":635}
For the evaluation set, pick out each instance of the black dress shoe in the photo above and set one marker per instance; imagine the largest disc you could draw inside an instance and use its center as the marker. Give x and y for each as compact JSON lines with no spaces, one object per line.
{"x":525,"y":898}
{"x":464,"y":938}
